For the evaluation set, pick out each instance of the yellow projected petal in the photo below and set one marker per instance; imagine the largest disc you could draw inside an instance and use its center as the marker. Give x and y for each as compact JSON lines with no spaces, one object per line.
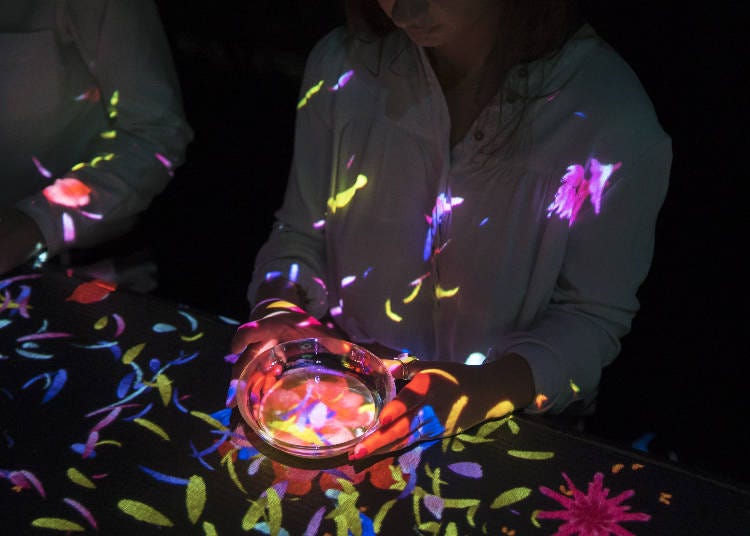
{"x":458,"y":407}
{"x":414,"y":293}
{"x":132,"y":353}
{"x":310,"y":92}
{"x":342,"y":199}
{"x":450,"y":377}
{"x":501,"y":409}
{"x":511,"y":496}
{"x":195,"y":498}
{"x":144,"y":512}
{"x":210,"y":420}
{"x":165,"y":388}
{"x":56,"y":523}
{"x":389,"y":312}
{"x":79,"y":478}
{"x":281,"y":304}
{"x":227,"y":460}
{"x":531,"y":455}
{"x":574,"y":387}
{"x":441,"y":293}
{"x":155,"y":428}
{"x":191,"y":338}
{"x":274,"y":511}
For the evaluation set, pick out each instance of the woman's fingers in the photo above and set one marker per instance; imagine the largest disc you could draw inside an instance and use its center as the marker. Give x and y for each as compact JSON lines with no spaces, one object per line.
{"x":384,"y":437}
{"x":408,"y":428}
{"x":392,"y":411}
{"x":246,"y":334}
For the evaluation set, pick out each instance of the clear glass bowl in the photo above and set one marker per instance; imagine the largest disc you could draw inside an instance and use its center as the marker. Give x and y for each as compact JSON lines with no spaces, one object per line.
{"x":314,"y":398}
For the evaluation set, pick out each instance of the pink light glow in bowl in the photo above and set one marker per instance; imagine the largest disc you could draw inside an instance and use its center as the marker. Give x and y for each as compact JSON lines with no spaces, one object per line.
{"x":314,"y":398}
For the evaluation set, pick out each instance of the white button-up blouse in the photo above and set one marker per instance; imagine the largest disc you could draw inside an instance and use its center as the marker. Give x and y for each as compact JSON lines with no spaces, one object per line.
{"x":531,"y":235}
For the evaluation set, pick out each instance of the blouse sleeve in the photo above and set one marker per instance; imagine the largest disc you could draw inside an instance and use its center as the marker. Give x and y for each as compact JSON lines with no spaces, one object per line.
{"x":295,"y":248}
{"x":608,"y":256}
{"x":127,"y":51}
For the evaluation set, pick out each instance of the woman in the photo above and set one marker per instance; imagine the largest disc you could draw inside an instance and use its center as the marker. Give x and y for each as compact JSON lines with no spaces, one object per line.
{"x":474,"y":181}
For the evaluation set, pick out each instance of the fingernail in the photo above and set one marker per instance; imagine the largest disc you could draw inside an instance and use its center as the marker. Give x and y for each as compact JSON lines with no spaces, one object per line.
{"x":387,"y":419}
{"x":359,"y":452}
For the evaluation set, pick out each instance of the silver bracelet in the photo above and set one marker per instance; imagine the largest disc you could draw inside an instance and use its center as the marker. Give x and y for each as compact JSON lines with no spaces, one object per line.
{"x":408,"y":369}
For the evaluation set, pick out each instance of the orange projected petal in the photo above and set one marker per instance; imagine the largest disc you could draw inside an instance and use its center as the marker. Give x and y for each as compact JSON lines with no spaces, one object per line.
{"x":92,"y":291}
{"x":420,"y":384}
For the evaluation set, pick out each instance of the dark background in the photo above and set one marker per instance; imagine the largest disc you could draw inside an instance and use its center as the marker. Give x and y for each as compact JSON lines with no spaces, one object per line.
{"x":680,"y":373}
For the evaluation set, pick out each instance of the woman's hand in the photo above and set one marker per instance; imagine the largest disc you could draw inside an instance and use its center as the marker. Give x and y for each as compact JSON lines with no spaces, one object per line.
{"x":444,"y":399}
{"x":275,"y":321}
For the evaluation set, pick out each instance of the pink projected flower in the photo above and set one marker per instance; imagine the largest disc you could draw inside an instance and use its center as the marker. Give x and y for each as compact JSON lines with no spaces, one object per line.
{"x":591,"y":514}
{"x":68,"y":192}
{"x":578,"y":183}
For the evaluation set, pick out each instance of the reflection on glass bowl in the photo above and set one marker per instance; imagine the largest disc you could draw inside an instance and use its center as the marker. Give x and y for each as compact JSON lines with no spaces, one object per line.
{"x":314,"y":397}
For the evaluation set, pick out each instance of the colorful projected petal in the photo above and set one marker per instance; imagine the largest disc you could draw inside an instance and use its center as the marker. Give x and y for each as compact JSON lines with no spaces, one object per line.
{"x":195,"y":498}
{"x":342,"y":199}
{"x":92,"y":291}
{"x":144,"y":512}
{"x":342,"y":81}
{"x":69,"y":228}
{"x":308,"y":95}
{"x":91,"y":94}
{"x":578,"y":183}
{"x":440,"y":215}
{"x":441,"y":293}
{"x":40,"y":168}
{"x":57,"y":523}
{"x":68,"y":192}
{"x":389,"y":312}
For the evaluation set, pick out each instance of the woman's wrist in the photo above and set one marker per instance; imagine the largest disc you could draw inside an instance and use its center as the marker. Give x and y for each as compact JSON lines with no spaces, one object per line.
{"x":277,"y":289}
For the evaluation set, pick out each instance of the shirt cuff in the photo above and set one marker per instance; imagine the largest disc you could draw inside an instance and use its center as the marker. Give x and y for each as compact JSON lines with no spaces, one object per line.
{"x":551,"y":380}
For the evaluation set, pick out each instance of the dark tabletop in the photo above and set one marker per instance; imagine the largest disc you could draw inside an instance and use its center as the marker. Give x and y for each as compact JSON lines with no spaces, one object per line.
{"x":113,"y":420}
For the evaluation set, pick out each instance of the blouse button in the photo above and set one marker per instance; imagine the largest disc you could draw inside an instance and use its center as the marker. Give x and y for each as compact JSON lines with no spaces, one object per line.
{"x":478,"y":135}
